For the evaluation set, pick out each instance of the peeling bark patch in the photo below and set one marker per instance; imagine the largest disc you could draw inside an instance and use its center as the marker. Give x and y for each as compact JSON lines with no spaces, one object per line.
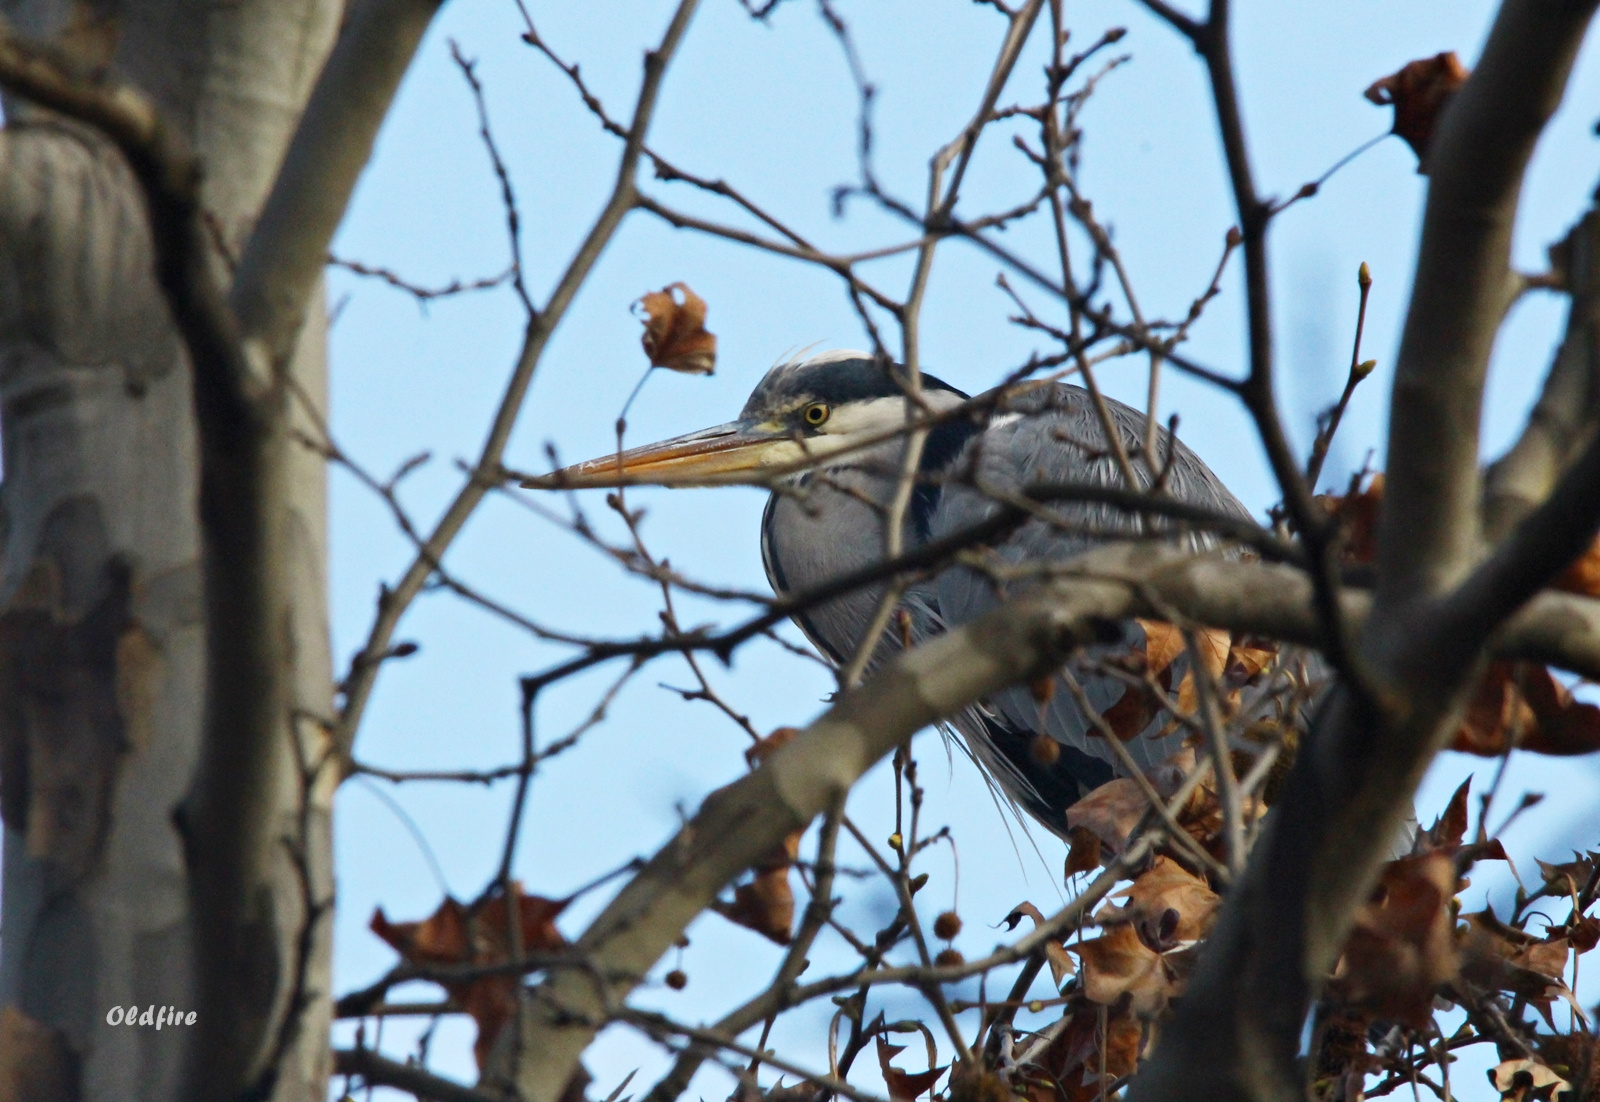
{"x":36,"y":1063}
{"x":77,"y":684}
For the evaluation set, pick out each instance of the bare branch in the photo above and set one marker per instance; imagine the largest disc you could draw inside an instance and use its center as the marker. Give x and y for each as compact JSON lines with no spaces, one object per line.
{"x":379,"y":1071}
{"x":485,"y":476}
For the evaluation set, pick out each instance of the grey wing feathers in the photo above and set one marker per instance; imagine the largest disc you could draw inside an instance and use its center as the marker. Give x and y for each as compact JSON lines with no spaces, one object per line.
{"x":1052,"y":436}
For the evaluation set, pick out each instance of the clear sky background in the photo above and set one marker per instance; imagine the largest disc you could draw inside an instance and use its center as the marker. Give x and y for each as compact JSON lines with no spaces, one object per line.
{"x":771,"y":108}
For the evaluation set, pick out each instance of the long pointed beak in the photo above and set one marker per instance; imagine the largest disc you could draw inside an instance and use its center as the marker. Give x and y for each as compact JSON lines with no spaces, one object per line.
{"x":737,"y":453}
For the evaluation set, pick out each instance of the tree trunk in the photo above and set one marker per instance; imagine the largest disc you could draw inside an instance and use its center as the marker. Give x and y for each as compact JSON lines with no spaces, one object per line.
{"x":102,"y":635}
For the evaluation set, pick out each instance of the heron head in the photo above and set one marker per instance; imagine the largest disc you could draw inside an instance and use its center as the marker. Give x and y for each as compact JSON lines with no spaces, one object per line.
{"x":799,"y":416}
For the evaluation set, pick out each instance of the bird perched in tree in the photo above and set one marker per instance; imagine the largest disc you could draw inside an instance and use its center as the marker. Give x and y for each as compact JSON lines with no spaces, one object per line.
{"x":828,"y":435}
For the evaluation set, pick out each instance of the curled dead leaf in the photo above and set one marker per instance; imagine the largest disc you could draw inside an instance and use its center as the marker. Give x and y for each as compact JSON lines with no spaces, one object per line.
{"x":903,"y":1086}
{"x":1119,"y":963}
{"x":1167,"y":888}
{"x":1083,"y":853}
{"x":455,"y":934}
{"x":1419,"y":93}
{"x":1523,"y":702}
{"x":1109,"y":813}
{"x":1402,"y":945}
{"x":1525,"y":1079}
{"x":1055,"y":953}
{"x":675,"y":335}
{"x":766,"y":903}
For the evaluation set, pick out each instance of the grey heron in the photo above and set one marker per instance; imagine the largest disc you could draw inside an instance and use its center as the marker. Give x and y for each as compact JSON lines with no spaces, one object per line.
{"x":826,"y":433}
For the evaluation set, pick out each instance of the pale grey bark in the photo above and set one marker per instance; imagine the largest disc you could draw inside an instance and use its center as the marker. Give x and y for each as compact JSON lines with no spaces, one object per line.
{"x":102,"y":476}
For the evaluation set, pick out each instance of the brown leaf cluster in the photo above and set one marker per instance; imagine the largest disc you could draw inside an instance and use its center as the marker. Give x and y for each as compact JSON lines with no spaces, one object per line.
{"x":1409,"y":949}
{"x":1230,"y":661}
{"x":1516,"y":703}
{"x":1522,"y":704}
{"x":457,"y":935}
{"x":1129,"y":974}
{"x":766,"y":904}
{"x":1402,"y":947}
{"x":675,"y":335}
{"x":1419,"y":93}
{"x":1094,"y":1051}
{"x":1102,"y":823}
{"x":1498,"y":957}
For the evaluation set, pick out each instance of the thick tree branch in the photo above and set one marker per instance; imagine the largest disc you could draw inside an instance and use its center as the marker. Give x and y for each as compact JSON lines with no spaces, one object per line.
{"x":1569,"y":406}
{"x":1429,"y":534}
{"x":1540,"y":547}
{"x":285,"y":254}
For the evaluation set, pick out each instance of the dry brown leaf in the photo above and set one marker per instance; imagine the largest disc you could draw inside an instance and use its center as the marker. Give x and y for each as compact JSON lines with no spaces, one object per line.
{"x":903,"y":1085}
{"x":1083,"y":852}
{"x":1487,"y":936}
{"x":1446,"y":834}
{"x":1500,"y":958}
{"x":1131,"y":713}
{"x":1167,"y":887}
{"x":1110,"y":813}
{"x":1525,"y":701}
{"x":1418,"y":93}
{"x":1585,"y":934}
{"x":1570,"y":876}
{"x":1162,"y":645}
{"x":765,"y":904}
{"x":1118,"y":963}
{"x":1055,"y":954}
{"x":1357,"y":514}
{"x":1075,"y":1057}
{"x":675,"y":334}
{"x":1402,"y":945}
{"x":455,"y":935}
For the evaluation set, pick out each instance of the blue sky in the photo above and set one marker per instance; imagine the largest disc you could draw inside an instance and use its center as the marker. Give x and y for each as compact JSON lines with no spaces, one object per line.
{"x":771,"y":109}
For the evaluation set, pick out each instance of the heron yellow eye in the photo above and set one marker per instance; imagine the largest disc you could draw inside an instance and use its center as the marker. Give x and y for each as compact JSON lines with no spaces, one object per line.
{"x":816,"y":414}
